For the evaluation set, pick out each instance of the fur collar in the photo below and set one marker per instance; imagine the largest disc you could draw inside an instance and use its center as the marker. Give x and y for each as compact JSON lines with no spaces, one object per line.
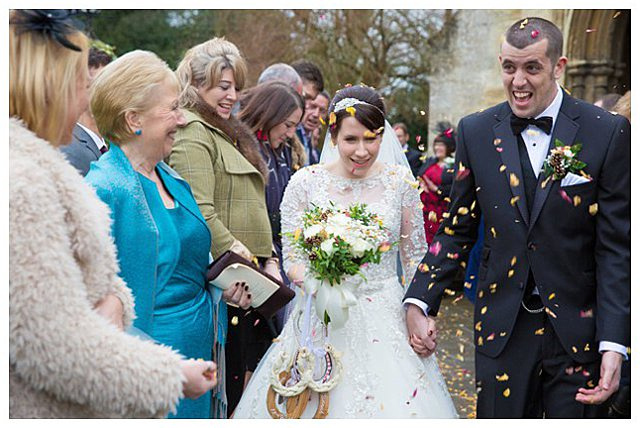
{"x":236,"y":131}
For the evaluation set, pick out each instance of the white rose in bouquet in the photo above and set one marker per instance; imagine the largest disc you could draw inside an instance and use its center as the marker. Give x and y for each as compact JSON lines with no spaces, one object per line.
{"x":312,"y":231}
{"x":327,"y":246}
{"x":359,"y":247}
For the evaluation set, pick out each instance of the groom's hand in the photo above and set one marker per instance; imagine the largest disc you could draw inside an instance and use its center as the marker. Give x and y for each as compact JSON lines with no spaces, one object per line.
{"x":422,"y":331}
{"x":609,"y":380}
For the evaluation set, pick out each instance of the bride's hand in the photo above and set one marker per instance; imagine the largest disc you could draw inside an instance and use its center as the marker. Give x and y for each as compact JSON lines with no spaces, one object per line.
{"x":422,"y":331}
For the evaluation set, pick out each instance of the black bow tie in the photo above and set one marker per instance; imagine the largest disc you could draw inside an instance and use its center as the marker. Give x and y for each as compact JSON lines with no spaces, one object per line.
{"x":519,"y":124}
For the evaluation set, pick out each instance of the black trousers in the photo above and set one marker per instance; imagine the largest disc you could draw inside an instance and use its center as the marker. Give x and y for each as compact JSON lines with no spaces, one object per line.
{"x":247,"y":342}
{"x":534,"y":376}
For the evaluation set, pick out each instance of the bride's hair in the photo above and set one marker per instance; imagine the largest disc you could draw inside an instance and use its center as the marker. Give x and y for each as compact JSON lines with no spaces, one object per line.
{"x":371,"y":115}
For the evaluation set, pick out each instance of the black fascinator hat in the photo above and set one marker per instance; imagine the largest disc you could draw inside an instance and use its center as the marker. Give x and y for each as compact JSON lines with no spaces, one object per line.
{"x":446,"y":134}
{"x":54,"y":23}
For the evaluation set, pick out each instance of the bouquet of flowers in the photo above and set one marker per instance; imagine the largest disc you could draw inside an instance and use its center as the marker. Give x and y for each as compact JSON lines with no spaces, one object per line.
{"x":338,"y":243}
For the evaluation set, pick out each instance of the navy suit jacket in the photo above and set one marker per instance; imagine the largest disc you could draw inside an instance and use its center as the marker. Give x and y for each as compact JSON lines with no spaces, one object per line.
{"x":580,"y":259}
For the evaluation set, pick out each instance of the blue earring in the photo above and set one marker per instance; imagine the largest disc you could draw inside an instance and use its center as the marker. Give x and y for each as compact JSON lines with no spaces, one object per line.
{"x":138,"y":132}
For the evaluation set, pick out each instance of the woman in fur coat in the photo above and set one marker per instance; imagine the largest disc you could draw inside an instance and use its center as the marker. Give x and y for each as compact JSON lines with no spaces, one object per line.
{"x":219,"y":157}
{"x":68,"y":355}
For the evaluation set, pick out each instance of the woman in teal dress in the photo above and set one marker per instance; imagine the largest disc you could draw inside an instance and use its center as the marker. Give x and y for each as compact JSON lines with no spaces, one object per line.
{"x":162,"y":239}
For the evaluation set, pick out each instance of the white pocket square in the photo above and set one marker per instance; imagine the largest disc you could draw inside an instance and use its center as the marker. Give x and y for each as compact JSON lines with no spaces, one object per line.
{"x":572,"y":179}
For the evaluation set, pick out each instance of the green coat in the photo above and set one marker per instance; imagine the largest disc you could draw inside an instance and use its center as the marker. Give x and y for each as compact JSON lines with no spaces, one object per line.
{"x":229,"y":190}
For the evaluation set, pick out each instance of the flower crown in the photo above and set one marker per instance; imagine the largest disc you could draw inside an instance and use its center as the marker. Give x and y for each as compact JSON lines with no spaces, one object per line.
{"x":349,"y":104}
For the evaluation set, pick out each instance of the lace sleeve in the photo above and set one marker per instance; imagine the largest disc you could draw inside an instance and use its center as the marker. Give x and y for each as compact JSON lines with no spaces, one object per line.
{"x":413,"y":244}
{"x":293,"y":204}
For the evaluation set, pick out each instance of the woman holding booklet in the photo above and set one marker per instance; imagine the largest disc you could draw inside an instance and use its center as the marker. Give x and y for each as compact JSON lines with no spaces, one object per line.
{"x":162,"y":239}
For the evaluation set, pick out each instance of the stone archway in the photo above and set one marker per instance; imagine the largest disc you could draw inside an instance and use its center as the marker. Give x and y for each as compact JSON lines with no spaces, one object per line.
{"x":598,"y":45}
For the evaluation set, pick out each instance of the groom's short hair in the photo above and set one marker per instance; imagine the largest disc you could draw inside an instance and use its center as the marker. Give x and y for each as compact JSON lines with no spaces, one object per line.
{"x":528,"y":31}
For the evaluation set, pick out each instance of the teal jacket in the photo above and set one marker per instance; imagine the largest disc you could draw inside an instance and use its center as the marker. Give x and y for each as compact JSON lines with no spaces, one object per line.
{"x":133,"y":228}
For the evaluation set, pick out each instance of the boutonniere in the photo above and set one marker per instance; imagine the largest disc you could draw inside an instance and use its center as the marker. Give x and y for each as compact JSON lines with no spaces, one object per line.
{"x":563,"y":160}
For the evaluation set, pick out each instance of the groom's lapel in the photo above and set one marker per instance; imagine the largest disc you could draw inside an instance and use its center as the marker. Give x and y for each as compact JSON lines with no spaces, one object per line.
{"x":564,"y":130}
{"x":508,"y":148}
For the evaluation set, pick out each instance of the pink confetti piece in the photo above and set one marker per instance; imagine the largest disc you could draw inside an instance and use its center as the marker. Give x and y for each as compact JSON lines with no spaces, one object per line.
{"x":435,"y":248}
{"x":566,"y":197}
{"x":534,"y":34}
{"x":590,"y":30}
{"x":415,"y":392}
{"x":418,"y":138}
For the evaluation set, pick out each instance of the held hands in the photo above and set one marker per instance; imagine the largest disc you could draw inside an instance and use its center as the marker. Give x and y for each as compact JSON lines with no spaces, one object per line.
{"x":238,"y":294}
{"x":200,"y":377}
{"x":609,"y":380}
{"x":422,"y":331}
{"x":110,"y":307}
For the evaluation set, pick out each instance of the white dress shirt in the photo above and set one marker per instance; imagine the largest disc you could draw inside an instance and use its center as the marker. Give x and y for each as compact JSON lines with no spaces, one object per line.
{"x":537,"y":143}
{"x":97,"y":140}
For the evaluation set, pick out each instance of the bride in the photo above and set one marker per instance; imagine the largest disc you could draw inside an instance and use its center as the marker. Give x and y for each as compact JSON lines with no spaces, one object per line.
{"x":381,"y":377}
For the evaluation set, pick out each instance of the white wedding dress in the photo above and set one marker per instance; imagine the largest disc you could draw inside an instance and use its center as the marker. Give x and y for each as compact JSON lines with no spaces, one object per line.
{"x":382,"y":376}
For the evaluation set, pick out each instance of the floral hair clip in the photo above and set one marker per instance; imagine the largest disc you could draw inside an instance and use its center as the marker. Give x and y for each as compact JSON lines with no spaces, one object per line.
{"x":54,"y":23}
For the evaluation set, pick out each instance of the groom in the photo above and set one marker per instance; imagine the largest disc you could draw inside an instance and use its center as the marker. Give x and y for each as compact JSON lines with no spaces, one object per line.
{"x":552,"y":314}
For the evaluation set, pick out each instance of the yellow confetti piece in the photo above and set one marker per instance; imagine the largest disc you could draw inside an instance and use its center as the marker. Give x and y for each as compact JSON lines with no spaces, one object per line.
{"x":550,"y":313}
{"x":593,"y":209}
{"x":497,"y":141}
{"x":423,"y":267}
{"x":463,"y":264}
{"x":503,"y":333}
{"x":430,"y":285}
{"x":506,"y":393}
{"x":332,"y":118}
{"x":351,"y":110}
{"x":590,"y":384}
{"x":473,"y":205}
{"x":422,"y":112}
{"x":458,"y":333}
{"x":532,"y":133}
{"x":514,"y":200}
{"x":454,"y":221}
{"x":576,"y":200}
{"x":502,"y":378}
{"x":468,"y":285}
{"x":480,"y":341}
{"x":463,"y":210}
{"x":524,"y":23}
{"x":552,"y":296}
{"x":493,"y":287}
{"x":587,"y":348}
{"x":446,"y":215}
{"x":544,"y":183}
{"x":414,"y":184}
{"x":502,"y":168}
{"x":483,"y":310}
{"x":369,"y":134}
{"x":480,"y":294}
{"x":513,"y":180}
{"x":478,"y":326}
{"x":297,"y":233}
{"x":234,"y":320}
{"x":448,"y":231}
{"x":539,"y":332}
{"x":514,"y":260}
{"x":493,"y":232}
{"x":574,"y":349}
{"x":510,"y":273}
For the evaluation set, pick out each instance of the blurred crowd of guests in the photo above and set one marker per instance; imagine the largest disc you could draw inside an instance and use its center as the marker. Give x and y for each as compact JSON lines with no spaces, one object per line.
{"x":190,"y":164}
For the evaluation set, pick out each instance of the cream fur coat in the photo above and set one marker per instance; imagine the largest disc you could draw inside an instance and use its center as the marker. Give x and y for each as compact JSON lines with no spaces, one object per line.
{"x":66,"y":361}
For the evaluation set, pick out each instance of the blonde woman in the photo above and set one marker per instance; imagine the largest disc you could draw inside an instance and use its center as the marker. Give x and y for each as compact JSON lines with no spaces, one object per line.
{"x":68,"y":357}
{"x":219,"y":157}
{"x":162,"y":239}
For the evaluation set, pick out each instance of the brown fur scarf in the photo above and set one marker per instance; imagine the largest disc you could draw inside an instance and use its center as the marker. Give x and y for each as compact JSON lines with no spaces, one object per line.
{"x":238,"y":132}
